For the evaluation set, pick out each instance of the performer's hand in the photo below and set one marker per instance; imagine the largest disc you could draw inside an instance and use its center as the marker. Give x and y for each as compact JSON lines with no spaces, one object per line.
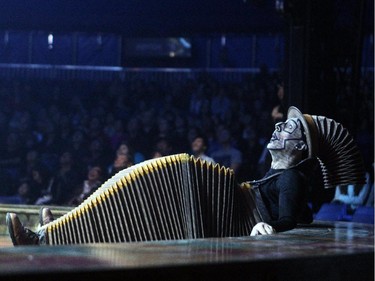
{"x":262,"y":228}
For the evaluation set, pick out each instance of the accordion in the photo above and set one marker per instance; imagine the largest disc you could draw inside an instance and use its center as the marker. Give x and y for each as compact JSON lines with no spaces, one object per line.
{"x":168,"y":198}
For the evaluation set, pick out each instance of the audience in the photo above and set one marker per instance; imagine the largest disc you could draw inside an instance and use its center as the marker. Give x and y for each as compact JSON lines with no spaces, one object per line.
{"x":57,"y":135}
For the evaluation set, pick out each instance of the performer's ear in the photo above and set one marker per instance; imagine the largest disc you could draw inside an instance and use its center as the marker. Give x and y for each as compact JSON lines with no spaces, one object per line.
{"x":301,"y":146}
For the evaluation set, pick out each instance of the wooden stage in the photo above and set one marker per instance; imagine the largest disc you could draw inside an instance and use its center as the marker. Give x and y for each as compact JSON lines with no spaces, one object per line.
{"x":321,"y":251}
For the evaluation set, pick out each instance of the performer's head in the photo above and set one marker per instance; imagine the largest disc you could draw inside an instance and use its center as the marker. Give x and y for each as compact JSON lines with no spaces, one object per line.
{"x":311,"y":136}
{"x":288,"y":144}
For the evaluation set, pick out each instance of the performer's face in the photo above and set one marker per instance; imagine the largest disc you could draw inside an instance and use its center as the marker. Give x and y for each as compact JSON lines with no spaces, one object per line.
{"x":286,"y":135}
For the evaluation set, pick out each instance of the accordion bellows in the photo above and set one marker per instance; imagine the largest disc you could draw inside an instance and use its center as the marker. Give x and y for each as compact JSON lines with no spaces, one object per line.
{"x":340,"y":159}
{"x":173,"y":197}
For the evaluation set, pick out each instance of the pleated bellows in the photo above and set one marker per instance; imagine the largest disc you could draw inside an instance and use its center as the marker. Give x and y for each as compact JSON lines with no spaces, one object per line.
{"x":173,"y":197}
{"x":340,"y":158}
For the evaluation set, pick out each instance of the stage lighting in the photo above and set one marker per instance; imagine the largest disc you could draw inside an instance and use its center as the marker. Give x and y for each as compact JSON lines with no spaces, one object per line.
{"x":50,"y":41}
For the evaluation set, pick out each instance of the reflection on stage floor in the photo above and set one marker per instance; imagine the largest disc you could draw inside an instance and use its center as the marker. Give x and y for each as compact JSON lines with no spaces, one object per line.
{"x":321,"y":251}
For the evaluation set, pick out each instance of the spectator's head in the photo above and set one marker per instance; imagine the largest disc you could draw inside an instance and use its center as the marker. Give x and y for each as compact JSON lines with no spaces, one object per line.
{"x":40,"y":174}
{"x":277,"y":114}
{"x":96,"y":146}
{"x":123,"y":149}
{"x":109,"y":119}
{"x":198,"y":145}
{"x":32,"y":156}
{"x":163,"y":146}
{"x":163,"y":126}
{"x":95,"y":127}
{"x":25,"y":121}
{"x":54,"y":113}
{"x":122,"y":161}
{"x":13,"y":142}
{"x":180,"y":124}
{"x":156,"y":154}
{"x":133,"y":126}
{"x":77,"y":138}
{"x":94,"y":174}
{"x":23,"y":188}
{"x":224,"y":136}
{"x":148,"y":119}
{"x":3,"y":120}
{"x":280,"y":92}
{"x":119,"y":126}
{"x":66,"y":159}
{"x":64,"y":123}
{"x":193,"y":132}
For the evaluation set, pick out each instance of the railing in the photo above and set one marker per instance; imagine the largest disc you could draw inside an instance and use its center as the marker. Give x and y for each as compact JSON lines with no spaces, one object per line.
{"x":29,"y":214}
{"x":109,"y":73}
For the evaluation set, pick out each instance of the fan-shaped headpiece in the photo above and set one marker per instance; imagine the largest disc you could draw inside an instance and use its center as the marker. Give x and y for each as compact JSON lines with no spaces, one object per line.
{"x":340,"y":159}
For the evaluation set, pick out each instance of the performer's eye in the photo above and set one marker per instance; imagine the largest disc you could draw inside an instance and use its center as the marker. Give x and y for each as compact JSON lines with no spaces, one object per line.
{"x":290,"y":127}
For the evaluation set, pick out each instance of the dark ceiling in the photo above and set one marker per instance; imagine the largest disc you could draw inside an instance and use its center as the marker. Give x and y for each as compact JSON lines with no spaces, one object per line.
{"x":162,"y":17}
{"x":142,"y":17}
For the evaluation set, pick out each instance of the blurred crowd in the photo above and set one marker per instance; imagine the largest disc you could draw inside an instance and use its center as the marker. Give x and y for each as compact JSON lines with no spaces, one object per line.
{"x":60,"y":141}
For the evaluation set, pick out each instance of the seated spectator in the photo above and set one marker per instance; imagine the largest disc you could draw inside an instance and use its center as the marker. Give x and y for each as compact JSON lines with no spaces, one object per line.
{"x":32,"y":161}
{"x":180,"y":132}
{"x":22,"y":196}
{"x":119,"y":134}
{"x":136,"y":156}
{"x":220,"y":104}
{"x":93,"y":181}
{"x":123,"y":149}
{"x":164,"y":128}
{"x":198,"y":149}
{"x":163,"y":146}
{"x":42,"y":186}
{"x":10,"y":162}
{"x":134,"y":137}
{"x":279,"y":111}
{"x":97,"y":156}
{"x":156,"y":154}
{"x":227,"y":155}
{"x":370,"y":197}
{"x":78,"y":144}
{"x":147,"y":131}
{"x":66,"y":179}
{"x":352,"y":195}
{"x":277,"y":114}
{"x":122,"y":161}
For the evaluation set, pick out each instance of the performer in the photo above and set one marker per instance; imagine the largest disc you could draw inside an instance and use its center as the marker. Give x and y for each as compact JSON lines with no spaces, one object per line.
{"x":305,"y":149}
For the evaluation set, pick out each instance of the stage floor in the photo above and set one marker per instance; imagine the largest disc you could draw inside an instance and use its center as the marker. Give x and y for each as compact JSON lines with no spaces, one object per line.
{"x":321,"y":251}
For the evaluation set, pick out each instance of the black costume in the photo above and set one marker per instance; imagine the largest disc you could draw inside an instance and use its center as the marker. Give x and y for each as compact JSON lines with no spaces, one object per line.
{"x":282,"y":196}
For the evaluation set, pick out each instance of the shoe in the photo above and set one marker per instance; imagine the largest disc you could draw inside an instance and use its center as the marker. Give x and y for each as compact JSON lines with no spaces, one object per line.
{"x":20,"y":235}
{"x":45,"y":216}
